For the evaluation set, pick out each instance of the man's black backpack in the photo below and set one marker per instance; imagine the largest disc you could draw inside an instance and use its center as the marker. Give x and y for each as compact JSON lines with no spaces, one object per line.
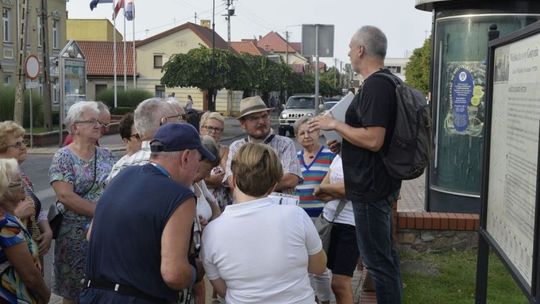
{"x":410,"y":147}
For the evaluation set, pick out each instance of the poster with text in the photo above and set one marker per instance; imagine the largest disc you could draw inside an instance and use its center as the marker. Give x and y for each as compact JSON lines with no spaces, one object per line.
{"x":511,"y":196}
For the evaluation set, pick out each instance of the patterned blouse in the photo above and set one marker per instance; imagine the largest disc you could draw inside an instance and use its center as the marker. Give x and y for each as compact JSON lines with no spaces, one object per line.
{"x":13,"y":232}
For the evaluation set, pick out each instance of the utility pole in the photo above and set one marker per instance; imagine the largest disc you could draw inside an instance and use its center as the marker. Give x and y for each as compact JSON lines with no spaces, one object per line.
{"x":195,"y":17}
{"x":47,"y":105}
{"x":230,"y":13}
{"x":211,"y":103}
{"x":21,"y":39}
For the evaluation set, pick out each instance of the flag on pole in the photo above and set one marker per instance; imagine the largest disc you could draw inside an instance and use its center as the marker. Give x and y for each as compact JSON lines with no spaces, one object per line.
{"x":119,"y":5}
{"x":129,"y":10}
{"x":94,"y":3}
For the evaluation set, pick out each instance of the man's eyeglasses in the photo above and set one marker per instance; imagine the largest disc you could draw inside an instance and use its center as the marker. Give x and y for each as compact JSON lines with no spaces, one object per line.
{"x":94,"y":122}
{"x":165,"y":119}
{"x":18,"y":145}
{"x":257,"y":117}
{"x":213,"y":129}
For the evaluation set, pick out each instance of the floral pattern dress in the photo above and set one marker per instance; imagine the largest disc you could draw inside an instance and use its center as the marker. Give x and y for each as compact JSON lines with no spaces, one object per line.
{"x":13,"y":232}
{"x":70,"y":246}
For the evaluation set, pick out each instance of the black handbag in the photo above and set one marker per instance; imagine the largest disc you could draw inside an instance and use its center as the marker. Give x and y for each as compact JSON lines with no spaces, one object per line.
{"x":55,"y":216}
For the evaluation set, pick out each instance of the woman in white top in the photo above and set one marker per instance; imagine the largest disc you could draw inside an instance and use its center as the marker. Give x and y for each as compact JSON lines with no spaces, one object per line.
{"x":258,"y":251}
{"x":343,"y":251}
{"x":207,"y":206}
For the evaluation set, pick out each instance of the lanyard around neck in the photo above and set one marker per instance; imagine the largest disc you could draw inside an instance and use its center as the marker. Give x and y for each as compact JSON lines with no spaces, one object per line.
{"x":161,"y":169}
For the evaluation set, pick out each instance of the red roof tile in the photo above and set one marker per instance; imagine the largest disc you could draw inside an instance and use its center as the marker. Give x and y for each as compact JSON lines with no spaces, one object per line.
{"x":273,"y":42}
{"x":100,"y":58}
{"x":204,"y":33}
{"x":297,"y":46}
{"x":247,"y":46}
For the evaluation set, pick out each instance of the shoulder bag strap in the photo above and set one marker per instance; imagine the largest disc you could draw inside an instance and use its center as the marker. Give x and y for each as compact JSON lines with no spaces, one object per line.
{"x":339,"y":208}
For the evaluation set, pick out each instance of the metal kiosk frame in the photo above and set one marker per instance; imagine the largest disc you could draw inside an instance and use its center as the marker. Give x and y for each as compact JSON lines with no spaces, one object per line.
{"x":491,"y":235}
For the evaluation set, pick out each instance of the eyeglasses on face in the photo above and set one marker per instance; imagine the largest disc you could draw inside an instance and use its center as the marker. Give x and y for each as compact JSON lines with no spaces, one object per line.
{"x":213,"y":129}
{"x":136,"y":135}
{"x":254,"y":118}
{"x":15,"y":184}
{"x":18,"y":145}
{"x":165,"y":119}
{"x":93,"y":122}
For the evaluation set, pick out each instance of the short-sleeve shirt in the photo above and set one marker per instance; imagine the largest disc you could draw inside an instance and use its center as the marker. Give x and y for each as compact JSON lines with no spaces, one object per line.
{"x":267,"y":262}
{"x":313,"y":174}
{"x":284,"y":148}
{"x":139,"y":158}
{"x":13,"y":232}
{"x":366,"y":178}
{"x":125,"y":242}
{"x":67,"y":167}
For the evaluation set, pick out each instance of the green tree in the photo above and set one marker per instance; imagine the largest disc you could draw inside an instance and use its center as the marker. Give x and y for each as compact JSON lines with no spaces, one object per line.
{"x":418,"y":69}
{"x":194,"y":69}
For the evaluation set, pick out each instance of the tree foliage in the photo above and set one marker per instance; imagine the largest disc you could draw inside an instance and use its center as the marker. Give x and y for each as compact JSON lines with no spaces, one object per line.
{"x":244,"y":72}
{"x":418,"y":69}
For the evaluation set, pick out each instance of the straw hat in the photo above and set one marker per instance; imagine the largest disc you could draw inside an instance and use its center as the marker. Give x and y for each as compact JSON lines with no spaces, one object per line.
{"x":253,"y":104}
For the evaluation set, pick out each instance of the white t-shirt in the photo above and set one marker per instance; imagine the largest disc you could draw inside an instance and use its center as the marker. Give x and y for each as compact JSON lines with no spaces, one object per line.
{"x":346,"y":216}
{"x":261,"y":250}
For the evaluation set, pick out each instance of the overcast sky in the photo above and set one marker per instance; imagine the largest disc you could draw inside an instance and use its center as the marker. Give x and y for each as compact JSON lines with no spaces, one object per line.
{"x":404,"y":25}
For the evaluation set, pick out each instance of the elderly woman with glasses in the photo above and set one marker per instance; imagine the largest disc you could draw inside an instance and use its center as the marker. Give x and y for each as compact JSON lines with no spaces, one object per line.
{"x":30,"y":211}
{"x":280,"y":242}
{"x":19,"y":257}
{"x":213,"y":124}
{"x":77,"y":174}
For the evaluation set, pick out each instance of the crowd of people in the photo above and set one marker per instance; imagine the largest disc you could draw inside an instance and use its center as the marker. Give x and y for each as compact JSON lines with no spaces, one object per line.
{"x":179,"y":206}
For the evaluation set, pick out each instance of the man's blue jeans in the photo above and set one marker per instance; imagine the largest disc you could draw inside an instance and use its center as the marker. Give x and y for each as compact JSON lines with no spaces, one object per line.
{"x":374,"y":235}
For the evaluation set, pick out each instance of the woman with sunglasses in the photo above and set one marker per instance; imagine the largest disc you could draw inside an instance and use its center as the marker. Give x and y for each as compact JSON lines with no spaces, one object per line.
{"x":30,"y":211}
{"x":77,"y":174}
{"x":129,"y":136}
{"x":19,"y":258}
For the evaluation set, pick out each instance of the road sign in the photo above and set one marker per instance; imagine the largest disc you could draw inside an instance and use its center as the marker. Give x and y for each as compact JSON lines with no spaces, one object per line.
{"x":31,"y":67}
{"x":31,"y":84}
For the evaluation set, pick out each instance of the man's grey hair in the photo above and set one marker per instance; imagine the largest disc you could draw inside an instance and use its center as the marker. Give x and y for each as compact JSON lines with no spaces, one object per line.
{"x":373,"y":39}
{"x":177,"y":107}
{"x":77,"y":110}
{"x":102,"y":107}
{"x":147,"y":116}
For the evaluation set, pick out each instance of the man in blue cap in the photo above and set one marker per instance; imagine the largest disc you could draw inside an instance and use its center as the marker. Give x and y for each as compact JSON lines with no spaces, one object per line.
{"x":140,"y":236}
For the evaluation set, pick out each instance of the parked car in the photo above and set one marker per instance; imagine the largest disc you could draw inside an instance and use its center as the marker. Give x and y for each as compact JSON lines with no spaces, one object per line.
{"x":297,"y":106}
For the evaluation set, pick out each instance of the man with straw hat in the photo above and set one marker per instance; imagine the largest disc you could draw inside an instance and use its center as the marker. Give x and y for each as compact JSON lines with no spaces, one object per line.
{"x":255,"y":120}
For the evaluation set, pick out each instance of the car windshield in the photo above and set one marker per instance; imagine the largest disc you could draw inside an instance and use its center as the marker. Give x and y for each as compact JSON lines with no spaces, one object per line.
{"x":329,"y":104}
{"x":300,"y":103}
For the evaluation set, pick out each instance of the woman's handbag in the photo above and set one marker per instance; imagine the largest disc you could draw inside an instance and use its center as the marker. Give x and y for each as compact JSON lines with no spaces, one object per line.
{"x":55,"y":217}
{"x":56,"y":211}
{"x":324,"y":227}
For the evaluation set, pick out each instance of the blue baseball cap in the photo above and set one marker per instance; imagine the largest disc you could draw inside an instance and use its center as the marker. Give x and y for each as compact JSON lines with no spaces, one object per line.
{"x":173,"y":137}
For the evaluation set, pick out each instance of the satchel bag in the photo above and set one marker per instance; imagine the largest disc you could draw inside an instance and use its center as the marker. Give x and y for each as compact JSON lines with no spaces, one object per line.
{"x":324,"y":227}
{"x":55,"y":216}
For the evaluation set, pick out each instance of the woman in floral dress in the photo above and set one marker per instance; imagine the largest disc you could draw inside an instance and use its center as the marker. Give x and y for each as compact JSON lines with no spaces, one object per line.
{"x":77,"y":174}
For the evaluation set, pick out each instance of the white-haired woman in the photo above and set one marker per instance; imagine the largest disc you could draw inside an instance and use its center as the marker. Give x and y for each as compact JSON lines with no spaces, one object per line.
{"x":19,"y":257}
{"x":213,"y":124}
{"x":77,"y":174}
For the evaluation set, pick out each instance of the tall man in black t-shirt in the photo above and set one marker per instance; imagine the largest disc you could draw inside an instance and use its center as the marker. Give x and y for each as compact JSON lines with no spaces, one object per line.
{"x":368,"y":127}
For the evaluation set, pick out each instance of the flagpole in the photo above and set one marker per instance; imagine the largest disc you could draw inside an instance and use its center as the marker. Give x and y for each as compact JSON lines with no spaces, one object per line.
{"x":114,"y":54}
{"x":125,"y":59}
{"x":134,"y":58}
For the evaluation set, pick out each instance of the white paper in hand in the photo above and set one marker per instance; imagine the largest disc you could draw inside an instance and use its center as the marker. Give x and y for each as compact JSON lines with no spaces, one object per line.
{"x":338,"y":112}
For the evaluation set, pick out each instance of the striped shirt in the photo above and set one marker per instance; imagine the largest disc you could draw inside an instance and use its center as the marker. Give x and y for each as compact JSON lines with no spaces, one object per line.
{"x":313,"y":174}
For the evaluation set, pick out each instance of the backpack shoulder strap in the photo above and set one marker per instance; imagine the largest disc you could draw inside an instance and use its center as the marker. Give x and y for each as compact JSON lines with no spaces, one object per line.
{"x":390,"y":77}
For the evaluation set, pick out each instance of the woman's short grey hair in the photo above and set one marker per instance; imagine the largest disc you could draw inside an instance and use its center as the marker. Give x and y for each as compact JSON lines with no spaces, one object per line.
{"x":299,"y":123}
{"x":211,"y":115}
{"x":77,"y":110}
{"x":8,"y":169}
{"x":147,"y":116}
{"x":210,"y":144}
{"x":373,"y":39}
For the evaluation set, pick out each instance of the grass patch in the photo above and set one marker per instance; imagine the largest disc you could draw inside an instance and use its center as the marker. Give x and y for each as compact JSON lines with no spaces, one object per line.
{"x":450,"y":277}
